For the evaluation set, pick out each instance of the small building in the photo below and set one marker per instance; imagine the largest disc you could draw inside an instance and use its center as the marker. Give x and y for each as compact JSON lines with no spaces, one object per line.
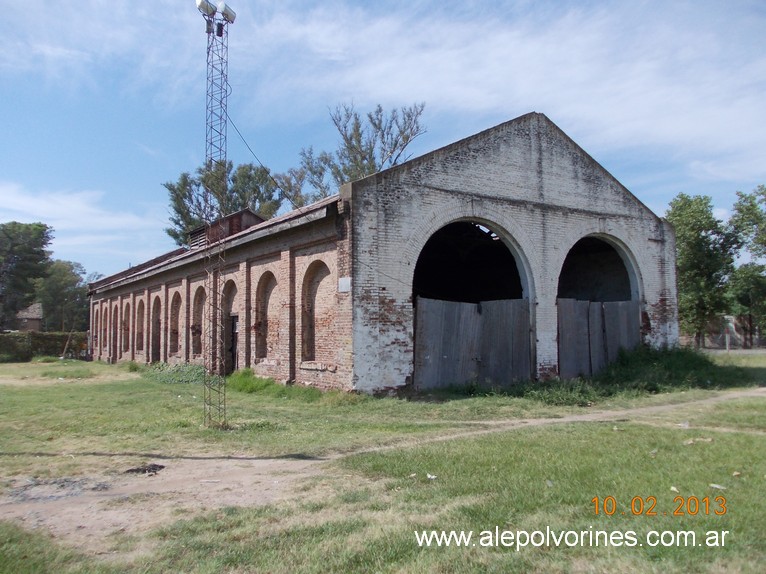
{"x":31,"y":318}
{"x":511,"y":254}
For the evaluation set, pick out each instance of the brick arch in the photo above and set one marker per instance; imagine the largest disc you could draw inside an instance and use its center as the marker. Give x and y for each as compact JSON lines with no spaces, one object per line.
{"x":266,"y":316}
{"x":139,"y":327}
{"x":197,"y":323}
{"x":126,"y":328}
{"x":155,"y":330}
{"x":174,"y":328}
{"x":316,"y":312}
{"x":229,"y":326}
{"x":96,"y":332}
{"x":114,"y":335}
{"x":105,"y":329}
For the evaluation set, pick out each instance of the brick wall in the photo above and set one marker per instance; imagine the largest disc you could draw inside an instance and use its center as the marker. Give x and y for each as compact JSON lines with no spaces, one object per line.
{"x":279,"y":260}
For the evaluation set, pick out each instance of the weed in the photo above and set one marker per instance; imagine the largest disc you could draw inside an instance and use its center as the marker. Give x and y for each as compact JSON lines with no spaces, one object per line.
{"x":636,"y":373}
{"x":245,"y":381}
{"x":46,"y":359}
{"x":132,"y":367}
{"x":183,"y":373}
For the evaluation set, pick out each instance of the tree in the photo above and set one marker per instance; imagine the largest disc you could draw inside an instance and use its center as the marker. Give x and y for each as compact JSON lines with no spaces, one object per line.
{"x":366,"y":146}
{"x":64,"y":297}
{"x":750,"y":219}
{"x":705,"y":252}
{"x":23,"y":258}
{"x":747,"y":289}
{"x":213,"y":193}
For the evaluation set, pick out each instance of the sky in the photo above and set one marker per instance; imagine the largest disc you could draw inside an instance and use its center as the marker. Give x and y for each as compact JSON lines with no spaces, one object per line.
{"x":102,"y":101}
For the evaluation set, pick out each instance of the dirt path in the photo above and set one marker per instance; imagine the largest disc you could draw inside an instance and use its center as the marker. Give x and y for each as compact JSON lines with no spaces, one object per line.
{"x":90,"y":513}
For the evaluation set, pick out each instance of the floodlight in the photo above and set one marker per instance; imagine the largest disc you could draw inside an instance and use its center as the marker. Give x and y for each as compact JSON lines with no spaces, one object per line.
{"x":206,"y":7}
{"x":228,"y":14}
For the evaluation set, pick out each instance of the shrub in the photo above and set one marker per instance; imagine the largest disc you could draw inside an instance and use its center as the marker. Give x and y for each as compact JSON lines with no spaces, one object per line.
{"x":22,"y":347}
{"x":183,"y":373}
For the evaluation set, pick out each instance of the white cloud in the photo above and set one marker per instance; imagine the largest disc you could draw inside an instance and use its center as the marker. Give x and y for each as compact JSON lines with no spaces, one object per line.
{"x":678,"y":85}
{"x":645,"y":76}
{"x":85,"y":229}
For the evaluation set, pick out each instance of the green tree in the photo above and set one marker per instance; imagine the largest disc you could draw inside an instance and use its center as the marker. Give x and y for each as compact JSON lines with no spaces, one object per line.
{"x":213,"y":193}
{"x":750,"y":219}
{"x":63,"y":293}
{"x":367,"y":145}
{"x":747,"y":290}
{"x":705,"y":252}
{"x":23,"y":259}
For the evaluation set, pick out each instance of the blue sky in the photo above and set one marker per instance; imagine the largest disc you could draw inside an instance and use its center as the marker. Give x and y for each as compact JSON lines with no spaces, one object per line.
{"x":103,"y":101}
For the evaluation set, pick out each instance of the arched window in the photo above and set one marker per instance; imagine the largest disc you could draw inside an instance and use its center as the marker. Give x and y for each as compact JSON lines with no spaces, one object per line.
{"x":126,"y":329}
{"x":266,"y":332}
{"x":175,"y":323}
{"x":140,"y":326}
{"x":316,"y":311}
{"x":198,"y":313}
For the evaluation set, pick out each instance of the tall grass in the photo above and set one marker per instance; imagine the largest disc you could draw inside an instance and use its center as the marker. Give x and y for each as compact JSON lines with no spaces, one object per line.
{"x":644,"y":371}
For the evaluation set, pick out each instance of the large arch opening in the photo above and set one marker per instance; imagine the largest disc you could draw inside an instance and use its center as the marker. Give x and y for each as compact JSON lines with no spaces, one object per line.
{"x":466,"y":262}
{"x":472,"y":320}
{"x":598,"y":306}
{"x":594,"y":271}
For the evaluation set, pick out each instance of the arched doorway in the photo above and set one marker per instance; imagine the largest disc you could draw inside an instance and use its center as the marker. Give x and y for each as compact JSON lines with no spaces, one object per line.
{"x":197,"y":329}
{"x":230,"y":329}
{"x":598,"y":306}
{"x":156,"y":328}
{"x":472,"y":321}
{"x":113,"y":346}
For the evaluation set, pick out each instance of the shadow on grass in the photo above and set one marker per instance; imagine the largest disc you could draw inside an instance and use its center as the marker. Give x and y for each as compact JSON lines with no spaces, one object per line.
{"x":641,"y":372}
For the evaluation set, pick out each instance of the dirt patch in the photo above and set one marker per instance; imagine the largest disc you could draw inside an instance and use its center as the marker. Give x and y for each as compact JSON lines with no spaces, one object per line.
{"x":90,"y":513}
{"x":97,"y":513}
{"x":34,"y":380}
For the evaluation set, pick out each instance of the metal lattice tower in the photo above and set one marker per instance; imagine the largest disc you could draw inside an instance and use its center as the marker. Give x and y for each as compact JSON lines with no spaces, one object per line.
{"x":217,"y":19}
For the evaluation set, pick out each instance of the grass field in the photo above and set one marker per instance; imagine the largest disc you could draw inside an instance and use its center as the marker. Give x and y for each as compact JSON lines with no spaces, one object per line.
{"x":361,"y":514}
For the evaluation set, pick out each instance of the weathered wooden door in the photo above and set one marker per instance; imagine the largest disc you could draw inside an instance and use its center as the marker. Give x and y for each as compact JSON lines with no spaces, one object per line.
{"x":592,"y":333}
{"x":458,"y":343}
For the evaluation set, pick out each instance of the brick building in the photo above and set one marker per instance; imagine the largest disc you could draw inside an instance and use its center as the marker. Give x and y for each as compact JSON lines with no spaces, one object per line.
{"x":511,"y":254}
